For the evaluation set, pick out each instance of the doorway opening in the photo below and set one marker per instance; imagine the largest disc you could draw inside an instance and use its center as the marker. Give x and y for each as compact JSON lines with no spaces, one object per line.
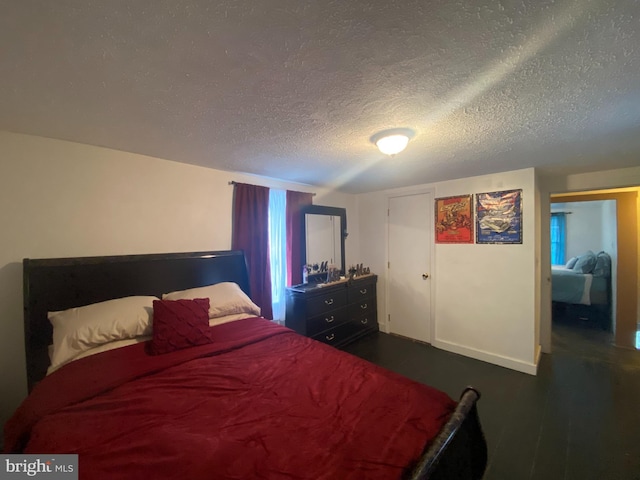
{"x":601,"y":228}
{"x":584,"y":252}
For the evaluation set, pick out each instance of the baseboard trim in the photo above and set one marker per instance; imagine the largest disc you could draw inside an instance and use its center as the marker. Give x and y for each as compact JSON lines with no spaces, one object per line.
{"x":502,"y":361}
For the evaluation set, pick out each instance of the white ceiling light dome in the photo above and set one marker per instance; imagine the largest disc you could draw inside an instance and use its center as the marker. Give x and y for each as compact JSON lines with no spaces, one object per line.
{"x":393,"y":140}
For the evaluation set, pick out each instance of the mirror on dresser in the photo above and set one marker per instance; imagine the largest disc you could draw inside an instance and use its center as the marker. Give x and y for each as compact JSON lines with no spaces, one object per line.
{"x":324,"y":231}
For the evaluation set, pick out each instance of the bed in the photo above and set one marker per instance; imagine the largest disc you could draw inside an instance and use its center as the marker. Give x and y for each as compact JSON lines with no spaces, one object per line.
{"x":582,"y":287}
{"x":255,"y":400}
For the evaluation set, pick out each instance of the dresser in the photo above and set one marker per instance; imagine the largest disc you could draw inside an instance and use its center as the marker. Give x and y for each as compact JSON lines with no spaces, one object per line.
{"x":334,"y":314}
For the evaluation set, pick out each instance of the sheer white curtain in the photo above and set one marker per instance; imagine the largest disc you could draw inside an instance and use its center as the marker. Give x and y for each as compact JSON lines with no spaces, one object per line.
{"x":278,"y":251}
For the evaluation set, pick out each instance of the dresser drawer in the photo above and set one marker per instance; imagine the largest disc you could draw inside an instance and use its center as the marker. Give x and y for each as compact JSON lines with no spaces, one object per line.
{"x":321,"y":304}
{"x":368,"y":320}
{"x":362,"y":307}
{"x":326,"y":321}
{"x":339,"y":334}
{"x":356,"y":293}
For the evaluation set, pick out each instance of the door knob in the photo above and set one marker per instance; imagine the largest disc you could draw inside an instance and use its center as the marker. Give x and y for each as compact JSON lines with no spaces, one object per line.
{"x":425,"y":276}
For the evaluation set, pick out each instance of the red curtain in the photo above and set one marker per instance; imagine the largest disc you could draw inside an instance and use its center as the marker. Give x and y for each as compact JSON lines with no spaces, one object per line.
{"x":295,"y":202}
{"x":251,"y":234}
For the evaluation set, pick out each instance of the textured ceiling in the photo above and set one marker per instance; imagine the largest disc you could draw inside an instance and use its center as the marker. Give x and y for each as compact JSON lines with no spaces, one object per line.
{"x":293,"y":89}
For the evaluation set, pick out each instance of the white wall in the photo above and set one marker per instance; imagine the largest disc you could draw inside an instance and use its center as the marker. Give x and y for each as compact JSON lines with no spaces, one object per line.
{"x":584,"y":228}
{"x":588,"y":228}
{"x":609,"y":227}
{"x":619,"y":178}
{"x":485,"y":295}
{"x":61,"y":199}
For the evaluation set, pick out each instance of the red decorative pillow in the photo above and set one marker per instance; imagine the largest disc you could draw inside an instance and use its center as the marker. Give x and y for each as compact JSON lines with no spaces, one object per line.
{"x":179,"y":324}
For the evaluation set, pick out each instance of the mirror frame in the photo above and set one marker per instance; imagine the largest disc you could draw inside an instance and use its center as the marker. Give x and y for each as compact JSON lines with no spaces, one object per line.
{"x":322,"y":210}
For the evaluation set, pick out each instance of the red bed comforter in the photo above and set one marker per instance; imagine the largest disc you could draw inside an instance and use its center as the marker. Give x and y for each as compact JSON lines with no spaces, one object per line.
{"x":260,"y":402}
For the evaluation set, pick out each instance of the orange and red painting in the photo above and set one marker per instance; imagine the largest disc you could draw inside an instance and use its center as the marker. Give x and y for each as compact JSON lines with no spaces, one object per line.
{"x":454,"y":221}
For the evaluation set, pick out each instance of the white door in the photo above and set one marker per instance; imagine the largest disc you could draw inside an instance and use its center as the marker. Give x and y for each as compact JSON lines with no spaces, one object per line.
{"x":409,"y":267}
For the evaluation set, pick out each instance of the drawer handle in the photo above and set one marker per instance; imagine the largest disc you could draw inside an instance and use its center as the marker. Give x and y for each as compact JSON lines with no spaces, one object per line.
{"x":330,"y":337}
{"x":329,"y":302}
{"x":330,"y":319}
{"x":363,"y":291}
{"x":363,"y":306}
{"x":364,"y":321}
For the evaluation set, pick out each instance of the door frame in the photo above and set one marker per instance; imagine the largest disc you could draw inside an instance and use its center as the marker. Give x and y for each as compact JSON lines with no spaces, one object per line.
{"x":627,"y":262}
{"x":403,"y":192}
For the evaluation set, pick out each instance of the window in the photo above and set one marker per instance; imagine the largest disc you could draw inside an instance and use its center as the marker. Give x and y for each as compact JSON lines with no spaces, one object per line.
{"x":278,"y":251}
{"x":558,"y":238}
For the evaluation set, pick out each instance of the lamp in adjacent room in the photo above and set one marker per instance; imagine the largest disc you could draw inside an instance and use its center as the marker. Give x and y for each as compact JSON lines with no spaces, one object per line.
{"x":392,"y":141}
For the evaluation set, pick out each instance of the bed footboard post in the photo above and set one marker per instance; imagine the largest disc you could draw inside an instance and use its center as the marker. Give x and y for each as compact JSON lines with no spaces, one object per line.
{"x":460,"y":449}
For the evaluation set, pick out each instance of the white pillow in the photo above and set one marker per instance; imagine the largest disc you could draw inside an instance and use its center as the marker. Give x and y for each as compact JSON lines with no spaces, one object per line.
{"x":225,"y":298}
{"x":229,"y":318}
{"x":79,"y":329}
{"x":99,"y":349}
{"x":130,"y":341}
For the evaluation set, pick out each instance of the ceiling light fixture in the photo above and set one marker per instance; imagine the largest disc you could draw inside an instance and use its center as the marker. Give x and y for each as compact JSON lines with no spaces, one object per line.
{"x":392,"y":141}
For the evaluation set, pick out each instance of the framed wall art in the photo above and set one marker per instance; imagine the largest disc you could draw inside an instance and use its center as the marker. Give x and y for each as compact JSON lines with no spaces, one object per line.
{"x":499,"y":217}
{"x":454,"y":219}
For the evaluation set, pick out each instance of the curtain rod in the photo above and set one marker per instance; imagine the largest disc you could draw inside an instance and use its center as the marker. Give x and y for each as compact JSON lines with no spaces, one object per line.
{"x":233,"y":182}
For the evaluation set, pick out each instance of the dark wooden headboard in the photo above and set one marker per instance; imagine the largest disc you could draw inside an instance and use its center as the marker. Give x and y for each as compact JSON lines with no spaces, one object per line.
{"x":62,"y":283}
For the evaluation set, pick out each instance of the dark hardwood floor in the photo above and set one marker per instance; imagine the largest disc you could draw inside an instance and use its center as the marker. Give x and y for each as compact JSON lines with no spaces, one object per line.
{"x":578,"y":419}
